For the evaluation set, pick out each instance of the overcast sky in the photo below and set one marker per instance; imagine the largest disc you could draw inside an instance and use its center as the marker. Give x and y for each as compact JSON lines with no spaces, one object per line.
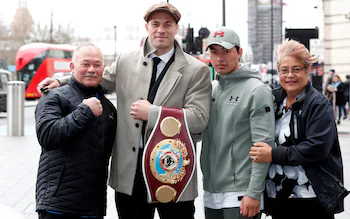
{"x":95,"y":19}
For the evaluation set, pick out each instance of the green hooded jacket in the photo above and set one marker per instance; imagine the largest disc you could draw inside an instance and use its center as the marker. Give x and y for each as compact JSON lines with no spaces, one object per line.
{"x":242,"y":112}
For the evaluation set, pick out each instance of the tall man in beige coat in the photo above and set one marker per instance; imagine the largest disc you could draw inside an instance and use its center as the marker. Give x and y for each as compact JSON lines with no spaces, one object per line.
{"x":186,"y":84}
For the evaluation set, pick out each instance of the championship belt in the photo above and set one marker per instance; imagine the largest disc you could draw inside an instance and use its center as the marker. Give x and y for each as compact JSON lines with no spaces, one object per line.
{"x":168,"y":161}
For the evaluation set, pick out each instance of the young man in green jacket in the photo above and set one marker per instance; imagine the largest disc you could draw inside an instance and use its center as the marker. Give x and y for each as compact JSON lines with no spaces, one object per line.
{"x":242,"y":113}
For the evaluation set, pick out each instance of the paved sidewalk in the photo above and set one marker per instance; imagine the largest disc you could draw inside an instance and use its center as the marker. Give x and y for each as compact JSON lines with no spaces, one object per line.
{"x":19,"y":161}
{"x":344,"y":127}
{"x":19,"y":158}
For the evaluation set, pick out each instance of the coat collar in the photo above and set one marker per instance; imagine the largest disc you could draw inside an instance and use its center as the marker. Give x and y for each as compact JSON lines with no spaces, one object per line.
{"x":280,"y":94}
{"x":180,"y":60}
{"x":173,"y":75}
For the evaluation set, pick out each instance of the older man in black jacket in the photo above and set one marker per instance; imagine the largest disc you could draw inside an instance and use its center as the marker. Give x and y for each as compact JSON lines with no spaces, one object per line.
{"x":75,"y":127}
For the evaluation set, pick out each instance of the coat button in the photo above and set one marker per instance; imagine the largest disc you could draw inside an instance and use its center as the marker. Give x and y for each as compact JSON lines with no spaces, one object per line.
{"x":137,"y":125}
{"x":133,"y":149}
{"x":145,"y":63}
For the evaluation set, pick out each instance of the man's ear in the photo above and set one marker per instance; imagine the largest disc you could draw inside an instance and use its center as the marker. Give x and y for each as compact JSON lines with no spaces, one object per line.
{"x":240,"y":52}
{"x":71,"y":65}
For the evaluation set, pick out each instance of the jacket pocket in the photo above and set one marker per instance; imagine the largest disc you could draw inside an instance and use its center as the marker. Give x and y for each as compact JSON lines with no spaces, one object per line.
{"x":55,"y":190}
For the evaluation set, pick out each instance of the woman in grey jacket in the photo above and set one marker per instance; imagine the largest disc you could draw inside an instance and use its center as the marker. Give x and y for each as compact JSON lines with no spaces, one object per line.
{"x":306,"y":176}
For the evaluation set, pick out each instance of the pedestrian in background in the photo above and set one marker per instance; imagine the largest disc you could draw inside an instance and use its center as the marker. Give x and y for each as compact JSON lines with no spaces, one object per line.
{"x":241,"y":114}
{"x":75,"y":126}
{"x":180,"y":81}
{"x":347,"y":95}
{"x":338,"y":88}
{"x":305,"y":179}
{"x":329,"y":81}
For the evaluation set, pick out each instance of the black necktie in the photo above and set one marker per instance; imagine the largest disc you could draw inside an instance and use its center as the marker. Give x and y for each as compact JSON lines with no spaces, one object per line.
{"x":156,"y":61}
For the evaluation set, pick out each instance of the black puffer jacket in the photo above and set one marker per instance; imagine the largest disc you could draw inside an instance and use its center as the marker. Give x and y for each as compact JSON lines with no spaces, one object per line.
{"x":316,"y":148}
{"x":76,"y":147}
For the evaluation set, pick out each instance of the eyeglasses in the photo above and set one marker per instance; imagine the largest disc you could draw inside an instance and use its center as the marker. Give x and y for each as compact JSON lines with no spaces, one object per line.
{"x":295,"y":70}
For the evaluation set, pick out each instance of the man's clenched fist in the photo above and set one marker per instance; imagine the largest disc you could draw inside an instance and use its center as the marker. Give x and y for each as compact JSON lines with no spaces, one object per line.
{"x":94,"y":104}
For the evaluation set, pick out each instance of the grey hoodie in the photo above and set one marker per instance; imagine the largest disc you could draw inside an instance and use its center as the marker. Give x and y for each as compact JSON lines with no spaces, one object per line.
{"x":242,"y":113}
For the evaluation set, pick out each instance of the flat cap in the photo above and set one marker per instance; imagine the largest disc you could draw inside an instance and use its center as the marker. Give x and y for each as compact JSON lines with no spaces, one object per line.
{"x":165,"y":7}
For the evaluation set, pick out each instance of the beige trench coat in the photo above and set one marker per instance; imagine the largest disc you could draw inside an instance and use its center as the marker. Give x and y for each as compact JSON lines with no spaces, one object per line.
{"x":186,"y":85}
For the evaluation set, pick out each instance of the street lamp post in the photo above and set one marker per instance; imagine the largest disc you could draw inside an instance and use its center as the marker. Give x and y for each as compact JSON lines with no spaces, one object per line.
{"x":51,"y":27}
{"x":223,"y":13}
{"x":271,"y":42}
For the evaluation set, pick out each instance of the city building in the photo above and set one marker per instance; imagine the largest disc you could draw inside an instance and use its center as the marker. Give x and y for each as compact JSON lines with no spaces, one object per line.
{"x":336,"y":35}
{"x":262,"y":15}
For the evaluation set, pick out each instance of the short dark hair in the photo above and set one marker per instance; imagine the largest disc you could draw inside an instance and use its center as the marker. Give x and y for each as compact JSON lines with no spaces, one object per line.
{"x":237,"y":48}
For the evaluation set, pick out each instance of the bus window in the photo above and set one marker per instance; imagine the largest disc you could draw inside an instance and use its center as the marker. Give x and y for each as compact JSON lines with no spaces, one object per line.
{"x":28,"y":71}
{"x":60,"y":74}
{"x":59,"y":54}
{"x":30,"y":66}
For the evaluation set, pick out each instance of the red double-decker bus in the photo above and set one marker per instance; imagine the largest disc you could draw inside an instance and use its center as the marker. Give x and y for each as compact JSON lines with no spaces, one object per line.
{"x":36,"y":61}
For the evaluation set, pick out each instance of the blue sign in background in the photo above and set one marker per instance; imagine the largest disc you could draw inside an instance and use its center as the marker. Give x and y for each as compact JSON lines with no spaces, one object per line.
{"x":11,"y":68}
